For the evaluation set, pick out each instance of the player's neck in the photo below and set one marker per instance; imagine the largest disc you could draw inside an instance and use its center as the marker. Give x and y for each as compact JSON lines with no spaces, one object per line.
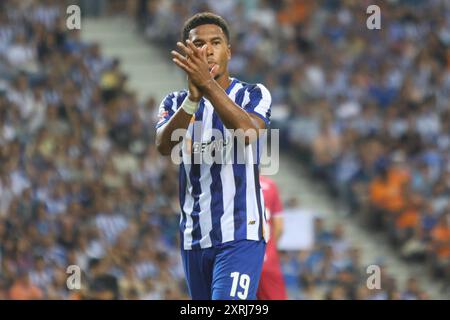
{"x":224,"y":81}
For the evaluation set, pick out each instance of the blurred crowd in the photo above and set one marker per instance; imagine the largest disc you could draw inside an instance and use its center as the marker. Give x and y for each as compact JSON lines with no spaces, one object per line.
{"x":368,"y":111}
{"x":80,"y":180}
{"x":333,"y":269}
{"x":372,"y":119}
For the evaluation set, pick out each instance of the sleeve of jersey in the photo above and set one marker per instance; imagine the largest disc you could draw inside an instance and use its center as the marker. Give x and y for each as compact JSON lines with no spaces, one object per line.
{"x":260,"y":103}
{"x":167,"y":109}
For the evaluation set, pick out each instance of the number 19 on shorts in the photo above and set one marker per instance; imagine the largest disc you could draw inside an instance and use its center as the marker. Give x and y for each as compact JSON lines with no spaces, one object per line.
{"x":244,"y":284}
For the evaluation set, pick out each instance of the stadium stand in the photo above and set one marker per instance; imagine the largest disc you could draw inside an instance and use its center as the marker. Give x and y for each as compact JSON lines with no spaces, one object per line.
{"x":366,"y":111}
{"x":81,"y":182}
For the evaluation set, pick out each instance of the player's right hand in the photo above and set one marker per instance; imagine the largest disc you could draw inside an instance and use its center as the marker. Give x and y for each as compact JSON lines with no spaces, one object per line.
{"x":195,"y":64}
{"x":194,"y":93}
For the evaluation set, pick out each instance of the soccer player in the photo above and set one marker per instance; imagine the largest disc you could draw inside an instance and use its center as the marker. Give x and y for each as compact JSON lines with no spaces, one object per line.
{"x":271,"y":284}
{"x":222,"y":207}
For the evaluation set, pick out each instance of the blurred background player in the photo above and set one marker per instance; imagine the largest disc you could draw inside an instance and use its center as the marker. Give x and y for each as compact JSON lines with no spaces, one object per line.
{"x":271,"y":285}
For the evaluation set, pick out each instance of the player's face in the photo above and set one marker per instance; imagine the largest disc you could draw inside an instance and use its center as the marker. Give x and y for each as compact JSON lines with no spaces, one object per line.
{"x":217,"y":50}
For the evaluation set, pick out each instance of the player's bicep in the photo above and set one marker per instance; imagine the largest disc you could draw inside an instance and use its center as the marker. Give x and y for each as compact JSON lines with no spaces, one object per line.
{"x":277,"y":205}
{"x":278,"y":226}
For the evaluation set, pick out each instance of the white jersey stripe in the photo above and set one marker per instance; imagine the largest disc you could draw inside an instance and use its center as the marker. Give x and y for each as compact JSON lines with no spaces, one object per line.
{"x":252,"y":206}
{"x":227,"y":220}
{"x":187,"y":208}
{"x":205,"y":182}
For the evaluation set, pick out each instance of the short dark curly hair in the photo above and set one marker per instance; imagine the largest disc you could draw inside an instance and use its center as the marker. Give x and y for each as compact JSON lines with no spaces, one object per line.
{"x":205,"y":18}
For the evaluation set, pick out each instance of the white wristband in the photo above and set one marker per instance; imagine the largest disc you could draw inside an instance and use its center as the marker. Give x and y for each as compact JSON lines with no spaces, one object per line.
{"x":189,"y":106}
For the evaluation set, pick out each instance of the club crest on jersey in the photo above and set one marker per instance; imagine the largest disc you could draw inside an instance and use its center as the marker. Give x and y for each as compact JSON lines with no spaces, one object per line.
{"x":162,"y":115}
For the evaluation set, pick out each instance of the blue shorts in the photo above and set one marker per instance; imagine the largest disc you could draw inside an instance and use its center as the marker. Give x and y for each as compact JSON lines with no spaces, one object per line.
{"x":229,"y":271}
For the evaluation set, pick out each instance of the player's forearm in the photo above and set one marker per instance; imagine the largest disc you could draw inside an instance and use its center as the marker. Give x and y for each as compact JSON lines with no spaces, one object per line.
{"x":277,"y":235}
{"x":278,"y":226}
{"x":164,"y":141}
{"x":232,"y":116}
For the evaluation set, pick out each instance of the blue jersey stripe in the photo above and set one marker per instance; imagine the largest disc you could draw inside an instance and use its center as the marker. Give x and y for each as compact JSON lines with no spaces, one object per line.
{"x":194,"y":176}
{"x":239,"y":170}
{"x":182,"y":193}
{"x":216,"y":188}
{"x":255,"y":97}
{"x":258,"y":198}
{"x":240,"y":96}
{"x":196,"y":189}
{"x":168,"y":105}
{"x":181,"y":97}
{"x":240,"y":198}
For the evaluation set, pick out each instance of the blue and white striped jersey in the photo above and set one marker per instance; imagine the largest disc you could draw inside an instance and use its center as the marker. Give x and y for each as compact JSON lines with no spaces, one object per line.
{"x":220,"y":202}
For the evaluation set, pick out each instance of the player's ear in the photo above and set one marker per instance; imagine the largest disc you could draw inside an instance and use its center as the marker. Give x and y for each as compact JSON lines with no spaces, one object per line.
{"x":229,"y":51}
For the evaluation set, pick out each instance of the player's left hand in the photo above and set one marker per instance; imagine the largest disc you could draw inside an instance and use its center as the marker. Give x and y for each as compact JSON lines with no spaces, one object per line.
{"x":195,"y":64}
